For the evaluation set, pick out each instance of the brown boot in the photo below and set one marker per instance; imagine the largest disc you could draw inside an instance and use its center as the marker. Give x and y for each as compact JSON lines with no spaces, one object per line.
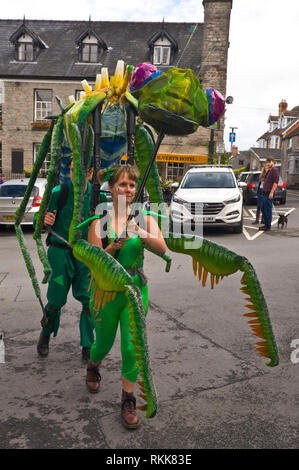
{"x":128,"y":411}
{"x":93,"y":377}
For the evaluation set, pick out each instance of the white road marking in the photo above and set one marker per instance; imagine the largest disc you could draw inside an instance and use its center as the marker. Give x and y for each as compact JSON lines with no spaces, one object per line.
{"x":260,"y":232}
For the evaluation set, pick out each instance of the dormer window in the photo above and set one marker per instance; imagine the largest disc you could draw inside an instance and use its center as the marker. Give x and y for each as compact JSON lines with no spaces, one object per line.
{"x":90,"y":49}
{"x":27,"y":44}
{"x":25,"y":49}
{"x":162,"y":48}
{"x":90,"y":46}
{"x":162,"y":51}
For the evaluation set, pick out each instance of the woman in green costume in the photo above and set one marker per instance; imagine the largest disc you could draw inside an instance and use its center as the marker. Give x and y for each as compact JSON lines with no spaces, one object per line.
{"x":129,"y":253}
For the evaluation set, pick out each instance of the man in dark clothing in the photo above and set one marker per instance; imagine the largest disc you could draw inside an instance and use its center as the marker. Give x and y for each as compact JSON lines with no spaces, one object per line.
{"x":66,"y":271}
{"x":269,"y":187}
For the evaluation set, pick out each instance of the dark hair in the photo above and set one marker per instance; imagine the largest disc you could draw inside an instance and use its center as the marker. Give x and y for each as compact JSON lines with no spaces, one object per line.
{"x":121,"y":171}
{"x":270,"y":159}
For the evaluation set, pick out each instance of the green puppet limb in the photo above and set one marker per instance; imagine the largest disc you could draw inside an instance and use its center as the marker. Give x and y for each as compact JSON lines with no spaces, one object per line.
{"x":208,"y":257}
{"x":57,"y":141}
{"x":42,"y":153}
{"x":81,"y":137}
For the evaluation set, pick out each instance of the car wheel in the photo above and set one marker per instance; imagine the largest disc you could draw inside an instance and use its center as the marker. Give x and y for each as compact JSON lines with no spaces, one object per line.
{"x":239,"y":228}
{"x":178,"y":226}
{"x":247,"y":200}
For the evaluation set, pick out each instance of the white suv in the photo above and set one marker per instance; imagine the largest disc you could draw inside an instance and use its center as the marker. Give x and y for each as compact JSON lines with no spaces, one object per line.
{"x":209,"y":195}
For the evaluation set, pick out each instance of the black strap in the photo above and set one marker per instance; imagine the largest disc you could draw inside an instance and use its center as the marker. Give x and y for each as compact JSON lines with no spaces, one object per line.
{"x":64,"y":191}
{"x":63,"y":196}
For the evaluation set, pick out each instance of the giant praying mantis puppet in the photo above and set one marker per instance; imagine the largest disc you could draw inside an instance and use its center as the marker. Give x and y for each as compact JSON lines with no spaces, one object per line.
{"x":173,"y":103}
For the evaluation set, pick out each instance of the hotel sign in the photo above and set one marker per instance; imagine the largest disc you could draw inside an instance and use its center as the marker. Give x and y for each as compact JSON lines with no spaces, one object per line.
{"x":182,"y":158}
{"x":190,"y":159}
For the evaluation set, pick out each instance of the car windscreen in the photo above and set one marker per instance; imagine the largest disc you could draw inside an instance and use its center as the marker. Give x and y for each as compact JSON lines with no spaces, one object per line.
{"x":209,"y":180}
{"x":16,"y":190}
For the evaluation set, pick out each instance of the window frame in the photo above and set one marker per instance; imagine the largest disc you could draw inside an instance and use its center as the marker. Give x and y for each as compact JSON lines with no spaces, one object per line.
{"x":40,"y":116}
{"x":46,"y":164}
{"x":159,"y":50}
{"x":26,"y":53}
{"x":89,"y":46}
{"x":170,"y":172}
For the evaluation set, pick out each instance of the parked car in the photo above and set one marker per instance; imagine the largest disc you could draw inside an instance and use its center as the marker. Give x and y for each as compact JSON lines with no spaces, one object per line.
{"x":251,"y":178}
{"x":208,"y":195}
{"x":11,"y":196}
{"x":105,"y":188}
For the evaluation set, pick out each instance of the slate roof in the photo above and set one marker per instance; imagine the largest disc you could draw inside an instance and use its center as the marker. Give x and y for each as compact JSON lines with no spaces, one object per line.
{"x":263,"y":154}
{"x":125,"y":40}
{"x":264,"y":136}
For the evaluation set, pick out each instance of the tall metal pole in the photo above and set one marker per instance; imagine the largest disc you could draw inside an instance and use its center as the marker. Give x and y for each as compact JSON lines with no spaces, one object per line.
{"x":95,"y":196}
{"x":231,"y":143}
{"x":131,"y":124}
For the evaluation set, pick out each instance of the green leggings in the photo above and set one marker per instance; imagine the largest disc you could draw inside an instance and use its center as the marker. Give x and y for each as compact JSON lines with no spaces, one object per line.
{"x":64,"y":277}
{"x":106,"y":321}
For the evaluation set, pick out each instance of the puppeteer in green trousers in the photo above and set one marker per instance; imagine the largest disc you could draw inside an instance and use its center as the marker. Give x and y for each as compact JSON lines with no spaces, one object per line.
{"x":67,"y":272}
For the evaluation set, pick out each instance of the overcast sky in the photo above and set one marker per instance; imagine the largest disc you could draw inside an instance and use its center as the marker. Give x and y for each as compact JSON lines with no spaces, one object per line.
{"x":263,"y":62}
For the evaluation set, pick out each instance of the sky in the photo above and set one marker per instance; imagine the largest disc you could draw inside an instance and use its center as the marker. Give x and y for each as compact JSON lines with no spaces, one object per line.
{"x":263,"y":63}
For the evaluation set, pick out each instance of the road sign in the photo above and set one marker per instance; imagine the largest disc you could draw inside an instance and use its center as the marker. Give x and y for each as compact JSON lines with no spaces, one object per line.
{"x":232,"y":136}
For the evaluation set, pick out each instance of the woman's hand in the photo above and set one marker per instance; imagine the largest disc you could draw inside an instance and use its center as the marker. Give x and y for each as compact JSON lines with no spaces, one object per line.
{"x":119,"y":244}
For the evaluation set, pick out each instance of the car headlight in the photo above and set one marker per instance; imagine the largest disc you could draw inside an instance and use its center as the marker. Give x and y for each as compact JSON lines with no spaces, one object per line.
{"x":231,"y":201}
{"x":178,"y":200}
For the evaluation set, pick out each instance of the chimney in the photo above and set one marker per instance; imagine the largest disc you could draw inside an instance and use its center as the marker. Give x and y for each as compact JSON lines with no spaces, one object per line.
{"x":283,"y":106}
{"x":235,"y":151}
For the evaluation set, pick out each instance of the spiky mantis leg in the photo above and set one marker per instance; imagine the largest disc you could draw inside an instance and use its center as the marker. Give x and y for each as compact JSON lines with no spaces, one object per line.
{"x":81,"y":137}
{"x":208,"y":257}
{"x":57,"y":141}
{"x":219,"y":262}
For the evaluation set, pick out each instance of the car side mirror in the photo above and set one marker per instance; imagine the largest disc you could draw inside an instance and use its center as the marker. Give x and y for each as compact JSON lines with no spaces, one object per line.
{"x":175,"y":185}
{"x":242,"y":185}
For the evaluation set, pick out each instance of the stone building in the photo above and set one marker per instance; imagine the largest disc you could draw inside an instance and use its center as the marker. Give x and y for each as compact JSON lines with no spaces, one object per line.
{"x":41,"y":59}
{"x":239,"y":160}
{"x":280,"y":141}
{"x":290,"y":155}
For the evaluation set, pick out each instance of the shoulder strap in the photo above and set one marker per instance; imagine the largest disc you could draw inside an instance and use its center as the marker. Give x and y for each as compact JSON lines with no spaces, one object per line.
{"x":104,"y":232}
{"x":104,"y":229}
{"x":63,"y":196}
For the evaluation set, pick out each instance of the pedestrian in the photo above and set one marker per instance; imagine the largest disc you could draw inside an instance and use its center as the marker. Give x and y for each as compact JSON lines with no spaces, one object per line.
{"x":269,"y":186}
{"x":129,"y":253}
{"x":260,"y":194}
{"x":66,"y":271}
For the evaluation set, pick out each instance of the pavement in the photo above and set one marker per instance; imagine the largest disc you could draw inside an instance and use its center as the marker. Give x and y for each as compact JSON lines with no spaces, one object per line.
{"x":214,"y":391}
